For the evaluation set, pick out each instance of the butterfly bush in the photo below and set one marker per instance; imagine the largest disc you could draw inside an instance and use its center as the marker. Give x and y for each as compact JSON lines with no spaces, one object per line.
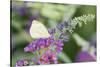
{"x":46,"y":50}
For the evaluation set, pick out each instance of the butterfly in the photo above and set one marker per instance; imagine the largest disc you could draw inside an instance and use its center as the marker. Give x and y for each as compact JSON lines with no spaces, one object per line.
{"x":38,"y":30}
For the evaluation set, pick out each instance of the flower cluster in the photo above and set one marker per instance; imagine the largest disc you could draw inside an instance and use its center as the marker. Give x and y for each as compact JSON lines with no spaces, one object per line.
{"x":38,"y":44}
{"x":22,"y":62}
{"x":49,"y":56}
{"x":61,"y":29}
{"x":44,"y":43}
{"x":47,"y":48}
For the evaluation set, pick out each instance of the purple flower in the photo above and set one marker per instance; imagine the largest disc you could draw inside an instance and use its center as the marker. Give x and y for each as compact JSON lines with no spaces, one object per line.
{"x":48,"y":58}
{"x":84,"y":57}
{"x":23,"y":11}
{"x":59,"y":45}
{"x":89,"y":54}
{"x":22,"y":62}
{"x":64,"y":36}
{"x":59,"y":49}
{"x":52,"y":31}
{"x":39,"y":44}
{"x":60,"y":26}
{"x":30,"y":48}
{"x":63,"y":25}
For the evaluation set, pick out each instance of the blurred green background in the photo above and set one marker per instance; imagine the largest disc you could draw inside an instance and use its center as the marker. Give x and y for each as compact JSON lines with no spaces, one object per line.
{"x":50,"y":14}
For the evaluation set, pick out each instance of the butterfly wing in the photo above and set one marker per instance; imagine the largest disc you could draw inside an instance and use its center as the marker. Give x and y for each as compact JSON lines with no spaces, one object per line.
{"x":38,"y":30}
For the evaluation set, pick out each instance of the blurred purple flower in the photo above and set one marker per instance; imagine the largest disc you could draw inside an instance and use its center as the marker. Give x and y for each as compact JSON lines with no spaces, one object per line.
{"x":64,"y":36}
{"x":84,"y":57}
{"x":48,"y":58}
{"x":22,"y":62}
{"x":38,"y":44}
{"x":30,"y":48}
{"x":23,"y":11}
{"x":60,"y":26}
{"x":52,"y":31}
{"x":90,"y":54}
{"x":63,"y":25}
{"x":59,"y":45}
{"x":44,"y":43}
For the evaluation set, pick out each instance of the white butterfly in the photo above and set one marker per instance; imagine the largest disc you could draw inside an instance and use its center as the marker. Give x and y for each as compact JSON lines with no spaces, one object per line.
{"x":38,"y":30}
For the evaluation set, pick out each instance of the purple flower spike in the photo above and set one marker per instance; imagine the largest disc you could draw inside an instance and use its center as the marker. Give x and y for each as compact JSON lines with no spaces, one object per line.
{"x":52,"y":31}
{"x":59,"y":45}
{"x":48,"y":58}
{"x":84,"y":57}
{"x":59,"y":49}
{"x":38,"y":44}
{"x":29,"y":48}
{"x":64,"y":37}
{"x":22,"y":62}
{"x":60,"y":26}
{"x":41,"y":42}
